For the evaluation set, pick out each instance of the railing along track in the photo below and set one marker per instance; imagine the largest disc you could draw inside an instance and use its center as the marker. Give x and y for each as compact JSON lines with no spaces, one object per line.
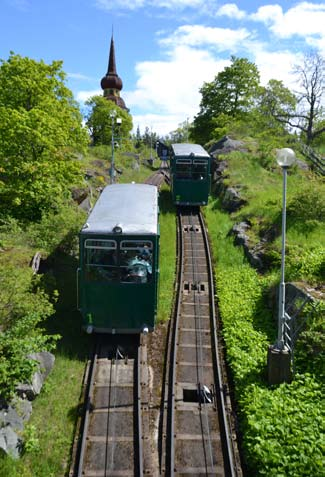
{"x":111,"y":437}
{"x":195,"y":429}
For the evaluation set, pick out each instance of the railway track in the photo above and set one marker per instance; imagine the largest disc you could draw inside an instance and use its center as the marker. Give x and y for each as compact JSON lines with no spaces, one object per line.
{"x":195,"y":430}
{"x":159,"y":177}
{"x":110,"y":441}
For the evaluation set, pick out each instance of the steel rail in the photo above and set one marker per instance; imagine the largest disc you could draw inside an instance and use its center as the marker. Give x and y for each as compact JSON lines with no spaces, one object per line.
{"x":139,"y":441}
{"x":85,"y":425}
{"x":111,"y":405}
{"x":170,"y":463}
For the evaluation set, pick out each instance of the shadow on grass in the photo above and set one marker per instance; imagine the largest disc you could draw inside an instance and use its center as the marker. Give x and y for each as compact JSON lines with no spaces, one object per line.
{"x":166,"y":205}
{"x":67,"y":320}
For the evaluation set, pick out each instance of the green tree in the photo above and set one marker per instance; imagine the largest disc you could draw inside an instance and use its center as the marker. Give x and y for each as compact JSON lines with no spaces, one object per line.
{"x":181,"y":134}
{"x":261,"y":122}
{"x":137,"y":138}
{"x":100,"y":120}
{"x":40,"y":133}
{"x":275,"y":100}
{"x":147,"y":137}
{"x":231,"y":93}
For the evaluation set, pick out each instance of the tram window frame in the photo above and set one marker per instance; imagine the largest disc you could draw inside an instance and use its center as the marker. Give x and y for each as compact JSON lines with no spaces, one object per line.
{"x":186,"y":174}
{"x":96,"y":270}
{"x":134,"y":269}
{"x":198,"y":174}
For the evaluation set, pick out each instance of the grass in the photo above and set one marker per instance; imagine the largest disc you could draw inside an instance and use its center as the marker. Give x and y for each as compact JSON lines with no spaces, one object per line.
{"x":219,"y":225}
{"x":167,"y":254}
{"x":262,"y":189}
{"x":133,"y":169}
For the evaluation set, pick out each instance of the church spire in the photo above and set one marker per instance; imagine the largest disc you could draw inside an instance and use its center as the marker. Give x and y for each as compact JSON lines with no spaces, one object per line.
{"x":112,"y":62}
{"x":111,"y":83}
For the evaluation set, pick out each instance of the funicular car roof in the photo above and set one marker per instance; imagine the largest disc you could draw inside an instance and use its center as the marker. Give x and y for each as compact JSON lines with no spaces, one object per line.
{"x":133,"y":207}
{"x":187,"y":149}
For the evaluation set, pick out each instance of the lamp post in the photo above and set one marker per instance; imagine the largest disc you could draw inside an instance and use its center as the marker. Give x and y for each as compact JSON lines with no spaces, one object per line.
{"x":151,"y":158}
{"x":285,"y":158}
{"x":279,"y":368}
{"x":112,"y":115}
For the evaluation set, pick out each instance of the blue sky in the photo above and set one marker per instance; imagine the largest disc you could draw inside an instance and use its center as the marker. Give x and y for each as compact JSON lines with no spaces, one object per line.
{"x":165,"y":49}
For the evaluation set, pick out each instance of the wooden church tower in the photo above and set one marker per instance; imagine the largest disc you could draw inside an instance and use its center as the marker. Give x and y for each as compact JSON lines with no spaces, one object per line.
{"x":111,"y":83}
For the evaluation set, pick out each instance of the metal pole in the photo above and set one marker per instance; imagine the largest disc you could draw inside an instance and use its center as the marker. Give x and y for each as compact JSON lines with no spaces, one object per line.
{"x":281,"y":315}
{"x":151,"y":160}
{"x":112,"y":162}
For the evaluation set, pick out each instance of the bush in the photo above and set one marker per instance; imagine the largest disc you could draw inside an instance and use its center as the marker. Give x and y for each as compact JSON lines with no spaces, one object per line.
{"x":24,"y":305}
{"x":306,"y":264}
{"x":308,"y":204}
{"x":21,"y":295}
{"x":58,"y":230}
{"x":23,"y":338}
{"x":310,"y":347}
{"x":283,"y":429}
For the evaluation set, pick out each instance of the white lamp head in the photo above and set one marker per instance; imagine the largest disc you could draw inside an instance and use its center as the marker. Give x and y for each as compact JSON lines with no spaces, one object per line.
{"x":285,"y":157}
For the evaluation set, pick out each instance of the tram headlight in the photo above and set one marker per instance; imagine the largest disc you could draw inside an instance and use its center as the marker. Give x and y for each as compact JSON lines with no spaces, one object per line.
{"x":117,"y":229}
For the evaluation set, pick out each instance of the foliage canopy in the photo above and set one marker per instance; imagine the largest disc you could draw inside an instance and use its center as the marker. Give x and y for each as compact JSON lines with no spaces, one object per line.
{"x":102,"y":116}
{"x":40,"y":133}
{"x":231,"y":94}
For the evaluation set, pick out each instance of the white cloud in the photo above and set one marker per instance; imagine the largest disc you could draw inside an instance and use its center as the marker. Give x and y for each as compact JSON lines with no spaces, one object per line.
{"x":79,"y":76}
{"x":268,"y":14}
{"x":231,"y":10}
{"x":276,"y":65}
{"x":124,"y":4}
{"x":82,"y":96}
{"x":136,"y":4}
{"x":304,"y":19}
{"x":171,"y":88}
{"x":221,"y":39}
{"x":162,"y":125}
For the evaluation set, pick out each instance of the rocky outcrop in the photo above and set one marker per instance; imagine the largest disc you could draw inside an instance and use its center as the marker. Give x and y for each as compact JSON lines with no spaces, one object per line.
{"x":230,"y":196}
{"x":254,"y":254}
{"x":226,"y":145}
{"x":45,"y":362}
{"x":231,"y":200}
{"x":13,"y":415}
{"x":12,"y":419}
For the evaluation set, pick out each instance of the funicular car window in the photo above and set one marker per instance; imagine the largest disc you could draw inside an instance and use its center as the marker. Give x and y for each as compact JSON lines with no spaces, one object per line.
{"x":183,"y":169}
{"x":101,"y":260}
{"x":199,"y":169}
{"x":136,"y":261}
